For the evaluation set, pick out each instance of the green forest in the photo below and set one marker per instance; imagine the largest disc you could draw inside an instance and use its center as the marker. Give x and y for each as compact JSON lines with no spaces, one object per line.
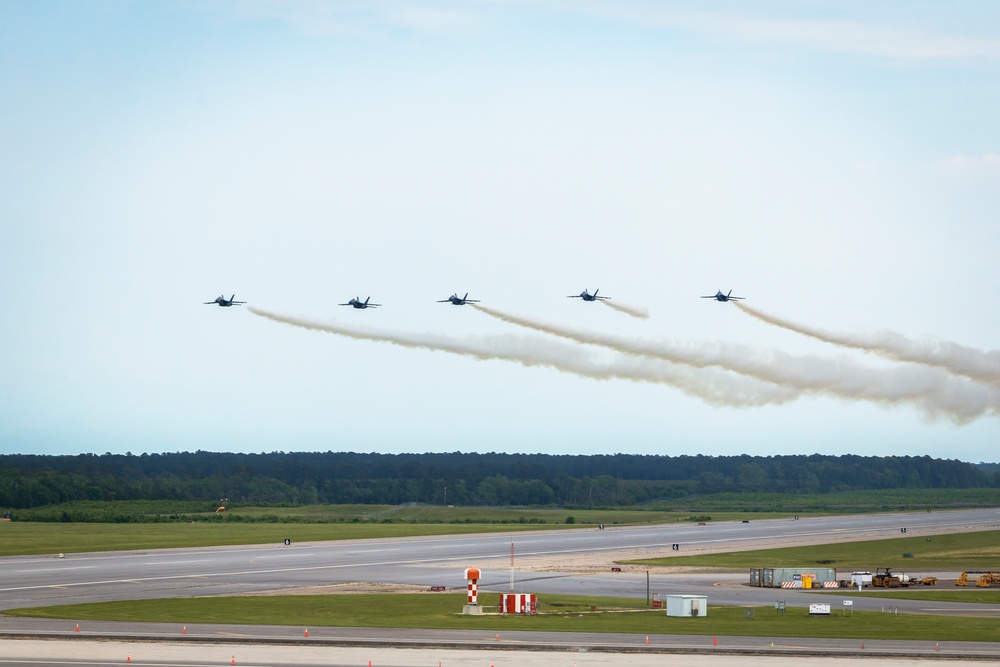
{"x":461,"y":479}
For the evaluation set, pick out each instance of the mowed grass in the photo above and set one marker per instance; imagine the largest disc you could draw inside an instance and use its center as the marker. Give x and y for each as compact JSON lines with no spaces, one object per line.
{"x":950,"y":593}
{"x":18,"y":539}
{"x":557,"y":613}
{"x":309,"y":523}
{"x":958,"y":552}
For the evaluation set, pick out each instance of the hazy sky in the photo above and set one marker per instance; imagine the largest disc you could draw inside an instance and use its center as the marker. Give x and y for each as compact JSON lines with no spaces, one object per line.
{"x":838,"y":164}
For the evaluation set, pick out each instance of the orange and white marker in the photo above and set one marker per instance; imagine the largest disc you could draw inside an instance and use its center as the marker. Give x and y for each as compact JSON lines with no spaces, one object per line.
{"x":78,"y":627}
{"x":473,"y":574}
{"x":306,"y":633}
{"x":184,"y":630}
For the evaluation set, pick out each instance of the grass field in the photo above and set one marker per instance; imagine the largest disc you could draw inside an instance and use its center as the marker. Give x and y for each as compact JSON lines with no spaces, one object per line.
{"x":947,"y":593}
{"x":559,"y":613}
{"x":958,"y":552}
{"x":49,"y":538}
{"x":306,"y":523}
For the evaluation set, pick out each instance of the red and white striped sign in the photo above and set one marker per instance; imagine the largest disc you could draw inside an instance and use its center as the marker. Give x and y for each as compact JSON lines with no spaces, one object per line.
{"x":518,"y":603}
{"x":791,"y":584}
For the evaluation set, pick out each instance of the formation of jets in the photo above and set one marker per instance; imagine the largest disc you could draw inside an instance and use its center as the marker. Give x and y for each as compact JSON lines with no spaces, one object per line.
{"x":457,"y":300}
{"x":358,"y":303}
{"x":221,"y":300}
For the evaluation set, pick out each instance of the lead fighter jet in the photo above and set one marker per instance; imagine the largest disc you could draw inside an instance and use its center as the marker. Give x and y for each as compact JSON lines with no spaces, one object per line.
{"x":719,"y":296}
{"x":457,"y":300}
{"x":221,"y":300}
{"x":587,"y":296}
{"x":358,"y":303}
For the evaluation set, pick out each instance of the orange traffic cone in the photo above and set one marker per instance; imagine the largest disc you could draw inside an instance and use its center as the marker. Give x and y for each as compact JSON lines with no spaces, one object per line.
{"x":184,"y":630}
{"x":233,"y":661}
{"x":306,"y":633}
{"x":369,"y":662}
{"x":715,"y":641}
{"x":937,"y":646}
{"x":862,"y":644}
{"x":78,"y":627}
{"x":498,"y":636}
{"x":128,"y":658}
{"x":647,"y":640}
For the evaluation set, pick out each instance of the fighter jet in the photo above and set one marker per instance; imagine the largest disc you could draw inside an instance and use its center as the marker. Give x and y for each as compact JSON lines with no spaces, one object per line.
{"x":587,"y":296}
{"x":358,"y":303}
{"x":221,"y":300}
{"x":457,"y":300}
{"x":719,"y":296}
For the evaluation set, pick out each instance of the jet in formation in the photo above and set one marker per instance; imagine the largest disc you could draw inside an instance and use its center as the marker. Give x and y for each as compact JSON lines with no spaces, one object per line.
{"x":719,"y":296}
{"x":221,"y":300}
{"x":457,"y":300}
{"x":358,"y":303}
{"x":587,"y":296}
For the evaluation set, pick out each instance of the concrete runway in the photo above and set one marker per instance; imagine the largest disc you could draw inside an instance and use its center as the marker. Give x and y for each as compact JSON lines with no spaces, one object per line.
{"x":93,"y":577}
{"x":47,"y":580}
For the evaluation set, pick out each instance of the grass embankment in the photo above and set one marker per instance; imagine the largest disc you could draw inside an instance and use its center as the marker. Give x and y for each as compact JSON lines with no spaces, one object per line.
{"x":305,"y":523}
{"x":49,"y":538}
{"x":953,"y":552}
{"x":843,"y":502}
{"x":557,"y":613}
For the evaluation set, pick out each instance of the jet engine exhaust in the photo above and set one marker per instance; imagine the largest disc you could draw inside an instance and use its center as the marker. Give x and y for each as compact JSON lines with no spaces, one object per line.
{"x":957,"y":359}
{"x":933,"y":391}
{"x":714,"y":386}
{"x":634,"y":311}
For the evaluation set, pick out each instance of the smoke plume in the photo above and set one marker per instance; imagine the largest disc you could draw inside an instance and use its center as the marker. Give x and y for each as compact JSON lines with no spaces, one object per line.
{"x":628,"y":309}
{"x":713,"y":386}
{"x":955,"y":358}
{"x":933,"y":391}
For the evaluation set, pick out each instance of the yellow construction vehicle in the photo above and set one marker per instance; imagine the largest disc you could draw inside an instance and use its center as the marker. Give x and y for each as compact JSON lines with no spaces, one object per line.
{"x":884,"y":578}
{"x":988,"y":578}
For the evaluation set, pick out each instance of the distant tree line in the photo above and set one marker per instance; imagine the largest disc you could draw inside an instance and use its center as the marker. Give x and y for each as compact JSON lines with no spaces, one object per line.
{"x":457,"y":478}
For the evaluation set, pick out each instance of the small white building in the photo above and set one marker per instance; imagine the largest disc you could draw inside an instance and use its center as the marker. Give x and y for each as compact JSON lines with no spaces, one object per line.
{"x":687,"y":605}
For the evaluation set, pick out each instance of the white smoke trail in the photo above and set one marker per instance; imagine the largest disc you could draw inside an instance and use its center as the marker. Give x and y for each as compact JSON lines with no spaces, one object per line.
{"x":710,"y":385}
{"x":953,"y":357}
{"x":934,"y":392}
{"x":628,"y":309}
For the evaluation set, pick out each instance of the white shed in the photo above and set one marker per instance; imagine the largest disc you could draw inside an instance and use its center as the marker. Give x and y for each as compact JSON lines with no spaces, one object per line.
{"x":687,"y":605}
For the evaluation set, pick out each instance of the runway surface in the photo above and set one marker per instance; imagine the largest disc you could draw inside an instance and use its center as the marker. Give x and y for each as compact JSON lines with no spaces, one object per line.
{"x":440,"y":561}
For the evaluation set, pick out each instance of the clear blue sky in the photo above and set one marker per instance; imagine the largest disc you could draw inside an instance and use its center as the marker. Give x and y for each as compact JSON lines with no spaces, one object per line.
{"x":838,"y":164}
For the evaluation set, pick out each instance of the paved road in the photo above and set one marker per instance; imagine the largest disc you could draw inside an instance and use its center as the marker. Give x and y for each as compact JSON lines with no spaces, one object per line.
{"x":187,"y":654}
{"x":47,"y":580}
